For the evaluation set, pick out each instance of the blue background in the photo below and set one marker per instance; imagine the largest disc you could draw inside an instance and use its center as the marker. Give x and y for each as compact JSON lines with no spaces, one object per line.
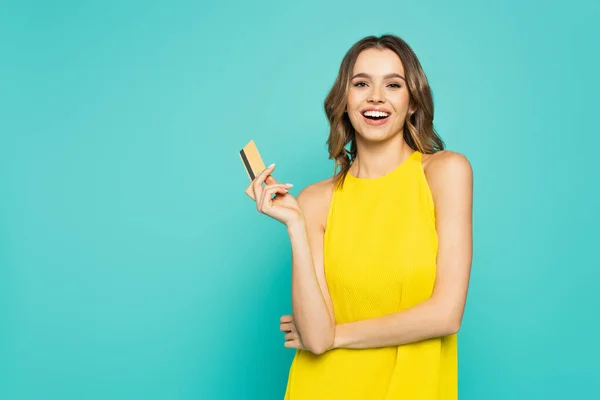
{"x":132,"y":265}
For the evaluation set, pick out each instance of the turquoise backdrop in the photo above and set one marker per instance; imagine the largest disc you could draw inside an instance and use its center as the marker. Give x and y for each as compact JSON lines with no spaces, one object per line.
{"x":132,"y":265}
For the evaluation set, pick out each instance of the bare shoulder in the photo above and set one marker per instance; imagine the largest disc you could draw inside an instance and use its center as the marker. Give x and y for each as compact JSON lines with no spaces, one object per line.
{"x":315,"y":199}
{"x":447,"y":169}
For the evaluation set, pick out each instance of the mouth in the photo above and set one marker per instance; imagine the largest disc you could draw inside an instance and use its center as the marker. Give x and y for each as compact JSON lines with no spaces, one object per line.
{"x":375,"y":117}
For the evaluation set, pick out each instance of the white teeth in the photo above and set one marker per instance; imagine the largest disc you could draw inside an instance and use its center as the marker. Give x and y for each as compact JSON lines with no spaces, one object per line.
{"x":375,"y":114}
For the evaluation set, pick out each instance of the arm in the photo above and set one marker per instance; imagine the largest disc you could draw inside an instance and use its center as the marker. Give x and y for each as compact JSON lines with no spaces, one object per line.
{"x":451,"y":181}
{"x":311,"y":303}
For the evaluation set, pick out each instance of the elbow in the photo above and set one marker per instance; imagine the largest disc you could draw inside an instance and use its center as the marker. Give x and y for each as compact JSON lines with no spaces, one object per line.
{"x":452,"y":325}
{"x":320,"y":343}
{"x":320,"y":347}
{"x":317,"y":349}
{"x":453,"y":328}
{"x":449,"y":318}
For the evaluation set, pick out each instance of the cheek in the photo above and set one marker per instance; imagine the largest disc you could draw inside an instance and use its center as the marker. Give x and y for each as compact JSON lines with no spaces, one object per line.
{"x":354,"y":103}
{"x":353,"y":99}
{"x":401,"y":101}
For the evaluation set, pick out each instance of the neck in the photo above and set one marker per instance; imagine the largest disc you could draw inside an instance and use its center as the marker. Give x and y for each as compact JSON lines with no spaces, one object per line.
{"x":377,"y":159}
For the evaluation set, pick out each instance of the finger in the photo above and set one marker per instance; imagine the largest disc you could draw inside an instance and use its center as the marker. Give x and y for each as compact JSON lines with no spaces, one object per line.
{"x":271,"y":180}
{"x":267,"y":196}
{"x":291,"y":336}
{"x":250,"y":189}
{"x":285,"y":186}
{"x":287,"y":327}
{"x":265,"y":173}
{"x":259,"y":180}
{"x":292,"y":344}
{"x":268,"y":192}
{"x":285,"y":319}
{"x":250,"y":192}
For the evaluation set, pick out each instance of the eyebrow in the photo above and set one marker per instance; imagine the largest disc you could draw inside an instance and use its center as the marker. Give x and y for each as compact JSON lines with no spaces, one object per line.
{"x":388,"y":76}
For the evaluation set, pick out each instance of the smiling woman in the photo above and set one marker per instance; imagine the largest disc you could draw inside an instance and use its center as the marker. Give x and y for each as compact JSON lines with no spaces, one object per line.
{"x":381,"y":251}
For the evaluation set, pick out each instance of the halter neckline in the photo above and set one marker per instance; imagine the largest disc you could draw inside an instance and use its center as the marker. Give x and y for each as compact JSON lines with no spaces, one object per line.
{"x":393,"y":172}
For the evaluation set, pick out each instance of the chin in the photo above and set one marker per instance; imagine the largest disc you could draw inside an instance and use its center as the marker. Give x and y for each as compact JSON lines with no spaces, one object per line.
{"x":376,"y":135}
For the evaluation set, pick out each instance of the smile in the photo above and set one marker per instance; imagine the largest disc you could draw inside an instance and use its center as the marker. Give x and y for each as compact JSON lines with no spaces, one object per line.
{"x":376,"y":118}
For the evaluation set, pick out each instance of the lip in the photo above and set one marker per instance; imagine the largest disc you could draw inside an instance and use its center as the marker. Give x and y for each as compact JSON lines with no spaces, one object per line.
{"x":375,"y":122}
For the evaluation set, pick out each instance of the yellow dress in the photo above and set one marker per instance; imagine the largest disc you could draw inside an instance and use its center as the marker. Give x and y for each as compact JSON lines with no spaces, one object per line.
{"x":380,"y":257}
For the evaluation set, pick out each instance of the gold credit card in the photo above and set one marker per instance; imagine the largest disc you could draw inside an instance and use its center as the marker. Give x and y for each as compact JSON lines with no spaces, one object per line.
{"x":252,"y":161}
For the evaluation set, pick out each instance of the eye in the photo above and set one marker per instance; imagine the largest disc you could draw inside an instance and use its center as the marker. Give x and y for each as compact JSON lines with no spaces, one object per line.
{"x":360,"y":84}
{"x":395,"y":85}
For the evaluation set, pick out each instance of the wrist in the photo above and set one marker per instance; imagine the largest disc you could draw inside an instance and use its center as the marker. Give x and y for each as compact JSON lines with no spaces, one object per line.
{"x":297,"y":223}
{"x":338,"y":337}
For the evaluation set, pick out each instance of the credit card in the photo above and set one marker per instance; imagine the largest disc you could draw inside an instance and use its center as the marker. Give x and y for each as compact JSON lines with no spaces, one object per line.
{"x":252,"y":160}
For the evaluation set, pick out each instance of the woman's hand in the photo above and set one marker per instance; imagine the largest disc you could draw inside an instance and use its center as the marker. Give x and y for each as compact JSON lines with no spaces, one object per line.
{"x":283,"y":206}
{"x":292,"y":339}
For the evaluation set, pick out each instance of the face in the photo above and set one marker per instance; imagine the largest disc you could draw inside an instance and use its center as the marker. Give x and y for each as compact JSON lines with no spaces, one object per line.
{"x":378,"y":97}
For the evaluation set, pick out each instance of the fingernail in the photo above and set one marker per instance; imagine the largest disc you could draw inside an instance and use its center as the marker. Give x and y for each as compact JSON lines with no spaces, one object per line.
{"x":289,"y":184}
{"x":272,"y":165}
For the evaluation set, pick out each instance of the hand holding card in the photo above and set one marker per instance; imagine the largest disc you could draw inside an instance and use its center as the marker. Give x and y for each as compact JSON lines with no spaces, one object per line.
{"x":273,"y":199}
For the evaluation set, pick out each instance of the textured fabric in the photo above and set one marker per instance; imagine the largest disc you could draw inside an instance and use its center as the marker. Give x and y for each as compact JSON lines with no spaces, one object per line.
{"x":380,"y":257}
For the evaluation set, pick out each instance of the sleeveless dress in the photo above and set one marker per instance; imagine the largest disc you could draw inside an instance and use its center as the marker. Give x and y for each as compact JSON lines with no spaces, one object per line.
{"x":380,"y":249}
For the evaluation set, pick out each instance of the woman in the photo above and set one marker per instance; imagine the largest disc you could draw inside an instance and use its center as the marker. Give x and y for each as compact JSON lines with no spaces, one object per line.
{"x":381,"y":252}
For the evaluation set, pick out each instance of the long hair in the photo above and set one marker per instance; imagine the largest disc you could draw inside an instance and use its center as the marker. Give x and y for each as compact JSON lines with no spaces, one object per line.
{"x":418,"y":129}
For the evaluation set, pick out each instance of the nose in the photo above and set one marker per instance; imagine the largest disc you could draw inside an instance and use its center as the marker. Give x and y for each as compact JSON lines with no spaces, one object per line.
{"x":375,"y":96}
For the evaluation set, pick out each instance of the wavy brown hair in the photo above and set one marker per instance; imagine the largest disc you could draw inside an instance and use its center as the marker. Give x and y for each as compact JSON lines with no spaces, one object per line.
{"x":418,"y":129}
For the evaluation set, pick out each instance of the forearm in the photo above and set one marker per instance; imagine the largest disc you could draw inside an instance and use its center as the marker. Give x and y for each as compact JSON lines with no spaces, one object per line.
{"x":425,"y":320}
{"x":311,"y":315}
